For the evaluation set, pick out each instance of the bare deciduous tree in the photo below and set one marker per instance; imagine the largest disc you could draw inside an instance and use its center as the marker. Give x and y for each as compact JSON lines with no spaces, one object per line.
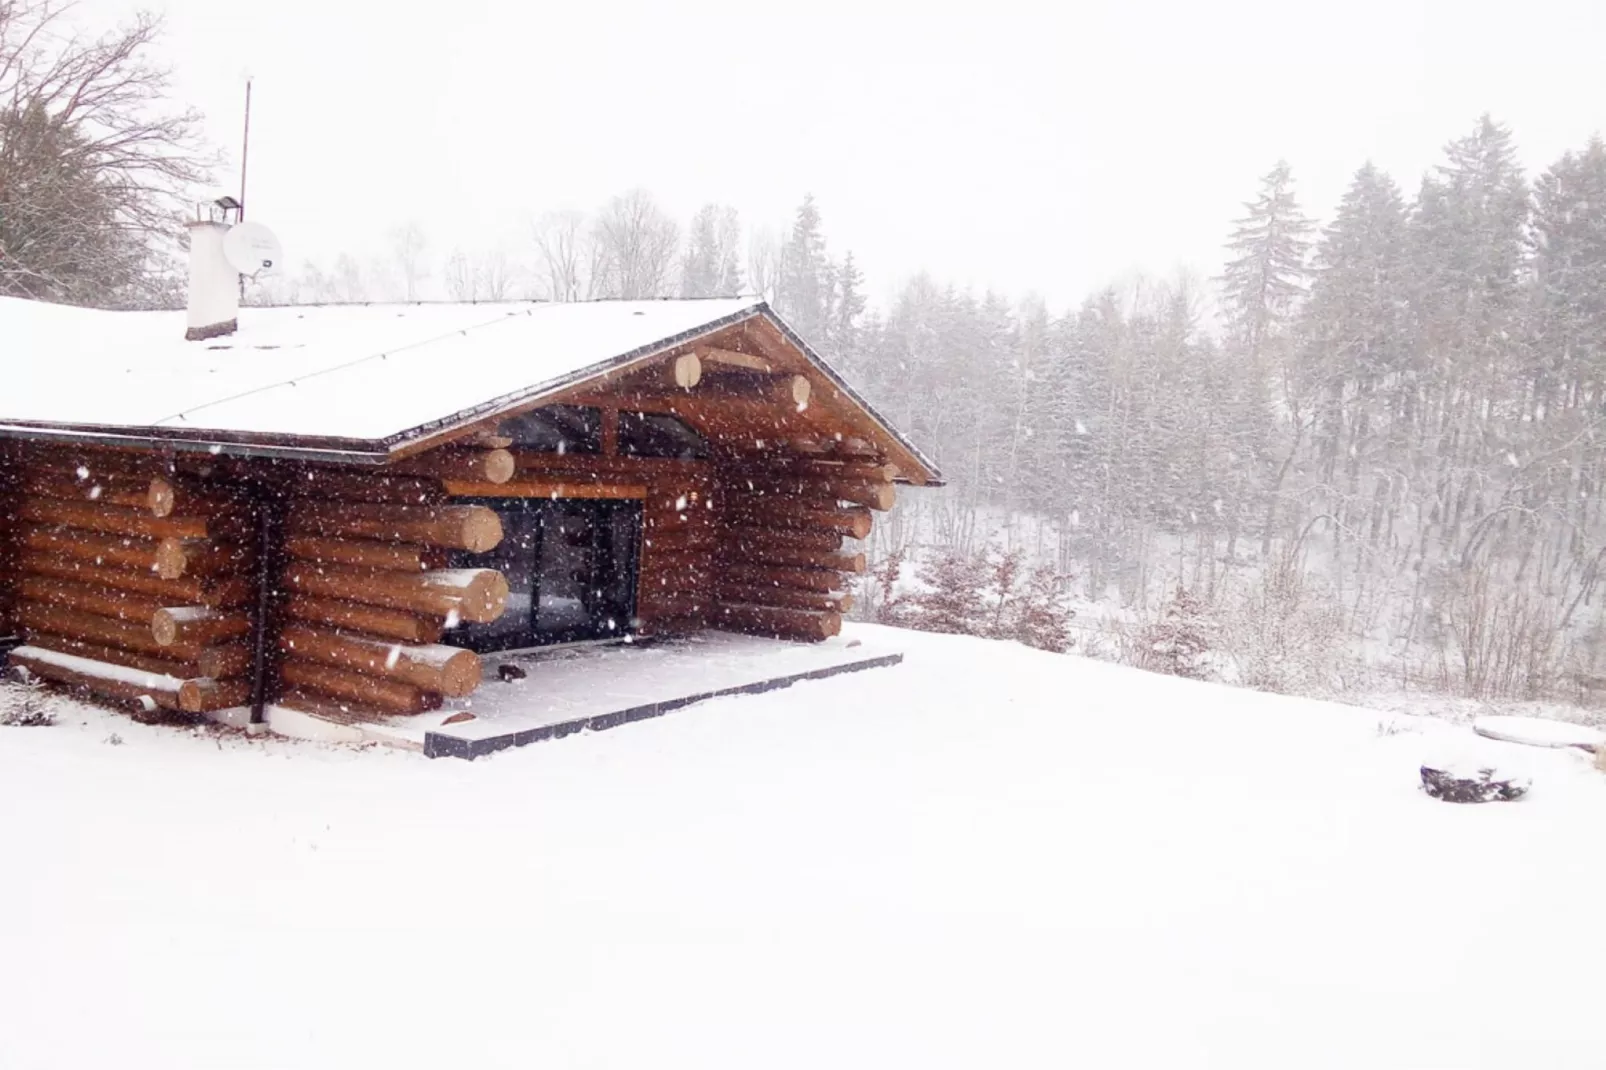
{"x":636,"y":245}
{"x":561,"y":255}
{"x":95,"y":161}
{"x":408,"y":250}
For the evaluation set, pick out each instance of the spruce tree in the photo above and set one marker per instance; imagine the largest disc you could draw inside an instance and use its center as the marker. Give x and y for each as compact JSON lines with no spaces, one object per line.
{"x":1266,"y":276}
{"x":803,"y":292}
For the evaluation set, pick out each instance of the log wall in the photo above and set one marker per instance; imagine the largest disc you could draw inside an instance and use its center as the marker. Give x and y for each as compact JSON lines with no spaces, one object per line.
{"x":135,"y":578}
{"x":121,"y":598}
{"x":782,"y":566}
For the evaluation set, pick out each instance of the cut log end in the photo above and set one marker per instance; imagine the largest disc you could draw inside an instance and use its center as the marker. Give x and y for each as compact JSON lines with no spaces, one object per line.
{"x":161,"y":497}
{"x":687,"y":371}
{"x":171,"y":560}
{"x":801,"y":389}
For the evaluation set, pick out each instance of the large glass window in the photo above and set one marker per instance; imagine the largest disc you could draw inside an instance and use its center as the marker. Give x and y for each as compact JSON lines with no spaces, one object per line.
{"x":557,"y":429}
{"x":657,"y":434}
{"x":571,"y":572}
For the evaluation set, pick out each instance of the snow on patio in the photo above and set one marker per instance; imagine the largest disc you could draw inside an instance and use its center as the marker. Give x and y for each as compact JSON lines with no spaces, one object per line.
{"x":604,"y":685}
{"x":985,"y":856}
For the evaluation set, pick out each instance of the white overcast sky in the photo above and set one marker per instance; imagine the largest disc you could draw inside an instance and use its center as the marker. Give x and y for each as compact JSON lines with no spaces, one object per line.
{"x":1047,"y":148}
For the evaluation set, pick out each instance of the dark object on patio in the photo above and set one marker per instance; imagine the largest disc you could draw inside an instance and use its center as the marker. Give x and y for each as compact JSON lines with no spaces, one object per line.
{"x":1472,"y":786}
{"x":510,"y":672}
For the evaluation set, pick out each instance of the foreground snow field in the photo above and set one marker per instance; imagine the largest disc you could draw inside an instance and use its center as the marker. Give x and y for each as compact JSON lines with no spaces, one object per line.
{"x":987,"y":856}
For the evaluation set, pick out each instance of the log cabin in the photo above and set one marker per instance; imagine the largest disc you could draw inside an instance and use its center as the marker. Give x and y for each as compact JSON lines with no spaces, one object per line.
{"x":339,"y":509}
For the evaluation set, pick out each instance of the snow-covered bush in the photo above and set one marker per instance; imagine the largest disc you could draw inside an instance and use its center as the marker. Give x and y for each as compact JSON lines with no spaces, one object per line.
{"x":1496,"y":638}
{"x":1177,"y":642}
{"x":1284,"y":633}
{"x":23,"y":705}
{"x":987,"y":593}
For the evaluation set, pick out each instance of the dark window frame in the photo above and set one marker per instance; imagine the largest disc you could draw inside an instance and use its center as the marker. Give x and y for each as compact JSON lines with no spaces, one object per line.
{"x":633,"y":424}
{"x":577,"y":429}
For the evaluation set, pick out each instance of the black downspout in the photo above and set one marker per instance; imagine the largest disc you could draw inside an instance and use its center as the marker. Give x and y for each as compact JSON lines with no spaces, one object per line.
{"x":267,"y":518}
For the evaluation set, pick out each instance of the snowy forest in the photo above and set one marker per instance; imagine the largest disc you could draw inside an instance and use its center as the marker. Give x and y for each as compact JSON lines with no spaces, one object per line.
{"x":1367,"y":445}
{"x":1370,"y":444}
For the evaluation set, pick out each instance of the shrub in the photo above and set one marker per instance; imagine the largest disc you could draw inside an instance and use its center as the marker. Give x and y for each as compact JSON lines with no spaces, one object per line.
{"x":1177,"y":642}
{"x":22,"y":705}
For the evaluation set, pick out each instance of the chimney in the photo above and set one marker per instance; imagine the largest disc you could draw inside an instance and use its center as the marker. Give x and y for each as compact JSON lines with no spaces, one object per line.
{"x":214,"y":300}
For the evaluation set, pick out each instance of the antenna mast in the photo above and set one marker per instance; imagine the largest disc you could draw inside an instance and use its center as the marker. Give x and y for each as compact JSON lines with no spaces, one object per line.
{"x":245,"y":145}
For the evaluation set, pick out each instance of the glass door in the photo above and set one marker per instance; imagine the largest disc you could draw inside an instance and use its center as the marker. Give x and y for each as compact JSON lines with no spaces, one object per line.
{"x":570,"y":565}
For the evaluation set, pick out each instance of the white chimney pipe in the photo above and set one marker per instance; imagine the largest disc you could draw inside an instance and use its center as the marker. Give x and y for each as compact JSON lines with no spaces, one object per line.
{"x":214,"y":300}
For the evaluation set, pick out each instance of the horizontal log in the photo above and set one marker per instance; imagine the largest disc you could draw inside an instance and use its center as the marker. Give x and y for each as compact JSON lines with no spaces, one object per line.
{"x":217,"y":592}
{"x":742,"y":537}
{"x":114,"y":520}
{"x":213,"y":557}
{"x":461,"y":527}
{"x":852,"y":520}
{"x":169,"y":495}
{"x":876,"y":473}
{"x":678,"y":541}
{"x":655,"y":559}
{"x":165,"y":557}
{"x":578,"y":468}
{"x":130,"y":466}
{"x":730,"y":358}
{"x":328,"y":708}
{"x":446,"y":670}
{"x":752,"y":552}
{"x":37,"y":618}
{"x":777,"y":622}
{"x":544,"y":489}
{"x":874,"y":495}
{"x":807,"y":579}
{"x":388,"y":695}
{"x":102,"y":601}
{"x":345,"y":484}
{"x":488,"y":439}
{"x":205,"y":695}
{"x":475,"y":465}
{"x":372,"y":620}
{"x":100,"y":678}
{"x":176,"y":667}
{"x":785,"y":598}
{"x":478,"y":595}
{"x":365,"y":553}
{"x":217,"y":662}
{"x":674,"y":604}
{"x":120,"y":492}
{"x":197,"y":625}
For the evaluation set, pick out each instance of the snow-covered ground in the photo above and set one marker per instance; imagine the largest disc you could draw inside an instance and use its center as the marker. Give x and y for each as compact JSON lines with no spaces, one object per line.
{"x":984,"y":857}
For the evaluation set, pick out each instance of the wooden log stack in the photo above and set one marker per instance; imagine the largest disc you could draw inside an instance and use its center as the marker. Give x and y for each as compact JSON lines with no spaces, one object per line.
{"x":782,"y":569}
{"x":136,"y":578}
{"x":367,"y":591}
{"x":105,"y":548}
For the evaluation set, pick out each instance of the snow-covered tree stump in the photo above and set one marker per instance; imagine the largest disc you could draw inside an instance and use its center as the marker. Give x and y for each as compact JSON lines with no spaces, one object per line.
{"x":1463,"y":784}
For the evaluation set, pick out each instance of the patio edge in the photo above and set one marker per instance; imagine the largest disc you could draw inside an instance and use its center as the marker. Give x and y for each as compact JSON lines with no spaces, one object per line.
{"x":445,"y":745}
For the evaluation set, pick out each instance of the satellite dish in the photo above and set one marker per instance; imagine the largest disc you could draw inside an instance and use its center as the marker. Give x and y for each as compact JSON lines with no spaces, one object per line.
{"x":252,"y":250}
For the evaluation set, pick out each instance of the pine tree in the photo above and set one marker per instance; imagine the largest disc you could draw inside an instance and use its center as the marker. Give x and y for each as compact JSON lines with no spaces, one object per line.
{"x":1356,"y":325}
{"x":700,"y":269}
{"x":847,"y":307}
{"x":1266,"y":276}
{"x":803,"y":293}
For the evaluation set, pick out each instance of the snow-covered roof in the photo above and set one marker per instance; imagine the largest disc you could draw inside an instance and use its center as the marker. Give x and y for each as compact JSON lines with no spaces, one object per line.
{"x":338,"y":381}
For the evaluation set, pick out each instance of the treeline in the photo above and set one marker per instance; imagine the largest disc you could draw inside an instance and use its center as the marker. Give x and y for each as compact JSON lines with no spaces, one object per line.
{"x":1400,"y":412}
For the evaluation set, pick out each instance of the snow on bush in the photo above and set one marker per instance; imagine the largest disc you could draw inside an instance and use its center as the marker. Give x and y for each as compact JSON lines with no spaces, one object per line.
{"x":988,"y":593}
{"x":23,"y":705}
